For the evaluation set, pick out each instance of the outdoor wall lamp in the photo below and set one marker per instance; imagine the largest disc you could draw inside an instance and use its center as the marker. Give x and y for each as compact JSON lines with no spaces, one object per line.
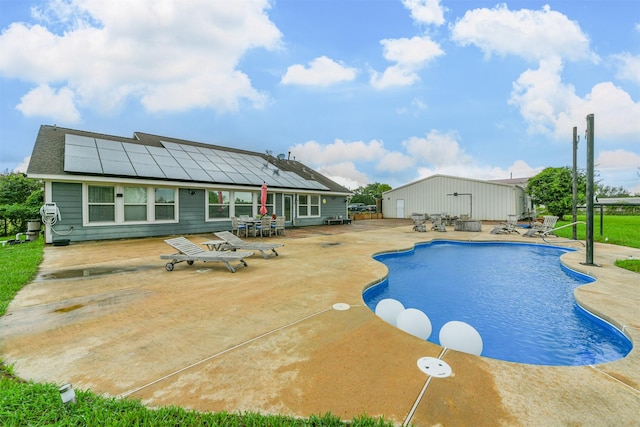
{"x":67,"y":394}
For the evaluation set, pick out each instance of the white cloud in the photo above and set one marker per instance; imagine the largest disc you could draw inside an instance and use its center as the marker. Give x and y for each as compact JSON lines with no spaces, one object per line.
{"x":617,"y":160}
{"x":529,"y":34}
{"x":322,"y":71}
{"x":346,"y":174}
{"x":312,"y":152}
{"x":171,"y":55}
{"x":619,"y":168}
{"x":410,"y":55}
{"x":438,"y":149}
{"x":425,"y":11}
{"x":551,"y":106}
{"x":628,"y":67}
{"x":24,"y":164}
{"x":519,"y":169}
{"x":436,"y":153}
{"x":44,"y":101}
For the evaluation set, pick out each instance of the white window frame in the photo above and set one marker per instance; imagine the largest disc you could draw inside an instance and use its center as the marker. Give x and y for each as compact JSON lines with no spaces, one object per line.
{"x":119,"y":205}
{"x":309,"y":205}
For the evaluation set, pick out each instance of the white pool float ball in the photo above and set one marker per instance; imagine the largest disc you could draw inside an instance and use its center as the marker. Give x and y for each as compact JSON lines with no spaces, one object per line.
{"x":461,"y":336}
{"x":414,"y":322}
{"x":388,"y":309}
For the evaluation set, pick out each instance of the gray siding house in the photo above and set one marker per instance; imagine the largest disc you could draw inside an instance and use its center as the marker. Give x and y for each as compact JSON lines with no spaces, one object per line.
{"x":442,"y":194}
{"x":110,"y":187}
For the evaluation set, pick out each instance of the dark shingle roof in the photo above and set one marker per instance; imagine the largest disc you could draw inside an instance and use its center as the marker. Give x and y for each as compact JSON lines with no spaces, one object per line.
{"x":48,"y":155}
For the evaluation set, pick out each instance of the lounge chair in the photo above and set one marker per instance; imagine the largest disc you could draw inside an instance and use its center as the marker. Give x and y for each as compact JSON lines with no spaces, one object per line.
{"x":190,"y":252}
{"x":419,"y":222}
{"x":542,"y":229}
{"x":437,"y":223}
{"x":507,"y":227}
{"x":233,"y":243}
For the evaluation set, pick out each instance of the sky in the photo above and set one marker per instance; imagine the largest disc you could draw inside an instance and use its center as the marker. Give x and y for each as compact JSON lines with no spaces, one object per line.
{"x":364,"y":91}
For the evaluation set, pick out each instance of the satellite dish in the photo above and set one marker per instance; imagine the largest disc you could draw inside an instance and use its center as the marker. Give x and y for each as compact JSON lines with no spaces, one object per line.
{"x":268,"y":152}
{"x":281,"y":156}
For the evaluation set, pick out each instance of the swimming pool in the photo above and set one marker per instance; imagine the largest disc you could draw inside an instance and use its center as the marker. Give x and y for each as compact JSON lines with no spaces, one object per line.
{"x":518,"y":296}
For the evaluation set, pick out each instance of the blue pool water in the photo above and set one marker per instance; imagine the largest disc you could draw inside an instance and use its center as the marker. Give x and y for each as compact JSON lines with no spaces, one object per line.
{"x":519,"y":298}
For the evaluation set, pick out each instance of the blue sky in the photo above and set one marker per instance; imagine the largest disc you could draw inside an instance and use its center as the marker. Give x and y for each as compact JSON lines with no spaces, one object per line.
{"x":387,"y":91}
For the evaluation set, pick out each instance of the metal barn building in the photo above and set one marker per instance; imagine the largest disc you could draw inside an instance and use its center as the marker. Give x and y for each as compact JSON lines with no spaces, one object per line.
{"x":441,"y":194}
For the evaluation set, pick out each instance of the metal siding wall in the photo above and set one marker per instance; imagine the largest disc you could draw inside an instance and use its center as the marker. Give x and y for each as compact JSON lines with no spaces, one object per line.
{"x":491,"y":202}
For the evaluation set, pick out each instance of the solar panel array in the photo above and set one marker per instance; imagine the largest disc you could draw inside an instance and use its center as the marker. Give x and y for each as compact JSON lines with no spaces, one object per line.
{"x":175,"y":161}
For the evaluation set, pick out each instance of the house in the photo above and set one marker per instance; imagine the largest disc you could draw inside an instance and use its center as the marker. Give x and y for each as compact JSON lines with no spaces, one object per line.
{"x":109,"y":187}
{"x":441,"y":194}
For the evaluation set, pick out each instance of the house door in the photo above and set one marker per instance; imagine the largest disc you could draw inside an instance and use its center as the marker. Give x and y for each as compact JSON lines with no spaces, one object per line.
{"x":400,"y":208}
{"x":288,"y":208}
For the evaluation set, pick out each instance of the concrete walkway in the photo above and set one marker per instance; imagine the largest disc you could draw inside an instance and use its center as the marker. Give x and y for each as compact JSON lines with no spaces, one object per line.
{"x":268,"y":339}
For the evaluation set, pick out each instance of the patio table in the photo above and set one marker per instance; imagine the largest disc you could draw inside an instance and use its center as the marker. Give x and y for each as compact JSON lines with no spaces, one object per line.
{"x":214,"y":245}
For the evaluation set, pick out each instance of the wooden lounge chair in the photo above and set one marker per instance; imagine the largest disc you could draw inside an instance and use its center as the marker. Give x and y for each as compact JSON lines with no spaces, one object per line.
{"x":542,"y":229}
{"x":190,"y":252}
{"x":233,"y":243}
{"x":507,"y":227}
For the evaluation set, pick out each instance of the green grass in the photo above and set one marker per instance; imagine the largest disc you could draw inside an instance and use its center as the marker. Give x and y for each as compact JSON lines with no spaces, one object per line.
{"x":623,"y":230}
{"x":18,"y":266}
{"x":32,"y":404}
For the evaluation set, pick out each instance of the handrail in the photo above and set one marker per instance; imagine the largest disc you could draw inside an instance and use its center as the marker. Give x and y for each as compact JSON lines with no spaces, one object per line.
{"x":545,"y":233}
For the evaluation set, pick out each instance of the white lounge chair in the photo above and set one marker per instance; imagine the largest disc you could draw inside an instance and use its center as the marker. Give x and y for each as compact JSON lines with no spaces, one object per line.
{"x":233,"y":243}
{"x":507,"y":227}
{"x":190,"y":252}
{"x":419,"y":222}
{"x":542,"y":229}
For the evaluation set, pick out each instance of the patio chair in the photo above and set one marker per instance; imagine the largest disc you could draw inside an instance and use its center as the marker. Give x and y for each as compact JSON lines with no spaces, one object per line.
{"x":263,"y":227}
{"x":238,"y":228}
{"x":233,"y":243}
{"x":279,"y":225}
{"x":507,"y":227}
{"x":542,"y":229}
{"x":190,"y":252}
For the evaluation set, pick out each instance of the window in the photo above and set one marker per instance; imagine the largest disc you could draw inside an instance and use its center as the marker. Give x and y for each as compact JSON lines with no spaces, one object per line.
{"x":218,"y":204}
{"x":165,"y":204}
{"x":135,"y":204}
{"x":308,"y":205}
{"x":118,"y":204}
{"x":102,"y":206}
{"x":243,"y":203}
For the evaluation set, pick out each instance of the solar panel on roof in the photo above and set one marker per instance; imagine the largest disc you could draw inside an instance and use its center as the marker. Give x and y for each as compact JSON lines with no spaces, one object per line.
{"x":116,"y":167}
{"x":175,"y":161}
{"x":79,"y":140}
{"x":82,"y":164}
{"x":148,"y":170}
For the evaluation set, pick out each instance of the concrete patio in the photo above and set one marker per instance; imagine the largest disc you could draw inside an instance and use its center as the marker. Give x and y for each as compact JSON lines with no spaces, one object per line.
{"x":267,"y":339}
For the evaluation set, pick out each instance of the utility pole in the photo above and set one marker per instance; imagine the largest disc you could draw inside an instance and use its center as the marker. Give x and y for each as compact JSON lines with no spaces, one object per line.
{"x":575,"y":182}
{"x":590,"y":138}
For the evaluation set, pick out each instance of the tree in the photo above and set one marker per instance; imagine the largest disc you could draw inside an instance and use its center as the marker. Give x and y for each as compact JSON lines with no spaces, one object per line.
{"x":20,"y":201}
{"x":370,"y":193}
{"x":553,"y":188}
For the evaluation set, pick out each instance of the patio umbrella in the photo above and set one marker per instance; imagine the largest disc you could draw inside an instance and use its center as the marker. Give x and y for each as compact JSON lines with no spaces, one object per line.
{"x":263,"y":199}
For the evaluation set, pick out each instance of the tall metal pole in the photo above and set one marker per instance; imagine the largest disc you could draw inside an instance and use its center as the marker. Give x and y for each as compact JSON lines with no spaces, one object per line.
{"x":575,"y":183}
{"x":590,"y":138}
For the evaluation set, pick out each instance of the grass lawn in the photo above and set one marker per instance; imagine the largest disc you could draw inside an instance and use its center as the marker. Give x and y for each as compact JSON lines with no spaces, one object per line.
{"x":622,"y":230}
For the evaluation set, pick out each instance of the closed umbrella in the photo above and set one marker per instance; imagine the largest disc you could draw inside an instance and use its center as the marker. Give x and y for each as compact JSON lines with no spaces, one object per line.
{"x":263,"y":199}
